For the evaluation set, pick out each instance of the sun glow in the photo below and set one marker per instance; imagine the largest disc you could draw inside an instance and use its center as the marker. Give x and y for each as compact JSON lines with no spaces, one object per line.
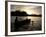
{"x":29,"y":12}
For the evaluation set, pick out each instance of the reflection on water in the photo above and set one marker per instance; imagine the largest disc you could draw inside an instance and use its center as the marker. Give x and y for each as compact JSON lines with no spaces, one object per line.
{"x":37,"y":20}
{"x":37,"y":24}
{"x":34,"y":18}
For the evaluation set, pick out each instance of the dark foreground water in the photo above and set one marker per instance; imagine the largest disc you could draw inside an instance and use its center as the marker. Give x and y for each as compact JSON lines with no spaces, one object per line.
{"x":35,"y":24}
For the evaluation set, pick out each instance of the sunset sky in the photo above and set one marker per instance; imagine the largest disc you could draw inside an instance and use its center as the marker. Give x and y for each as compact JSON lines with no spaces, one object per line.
{"x":27,"y":8}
